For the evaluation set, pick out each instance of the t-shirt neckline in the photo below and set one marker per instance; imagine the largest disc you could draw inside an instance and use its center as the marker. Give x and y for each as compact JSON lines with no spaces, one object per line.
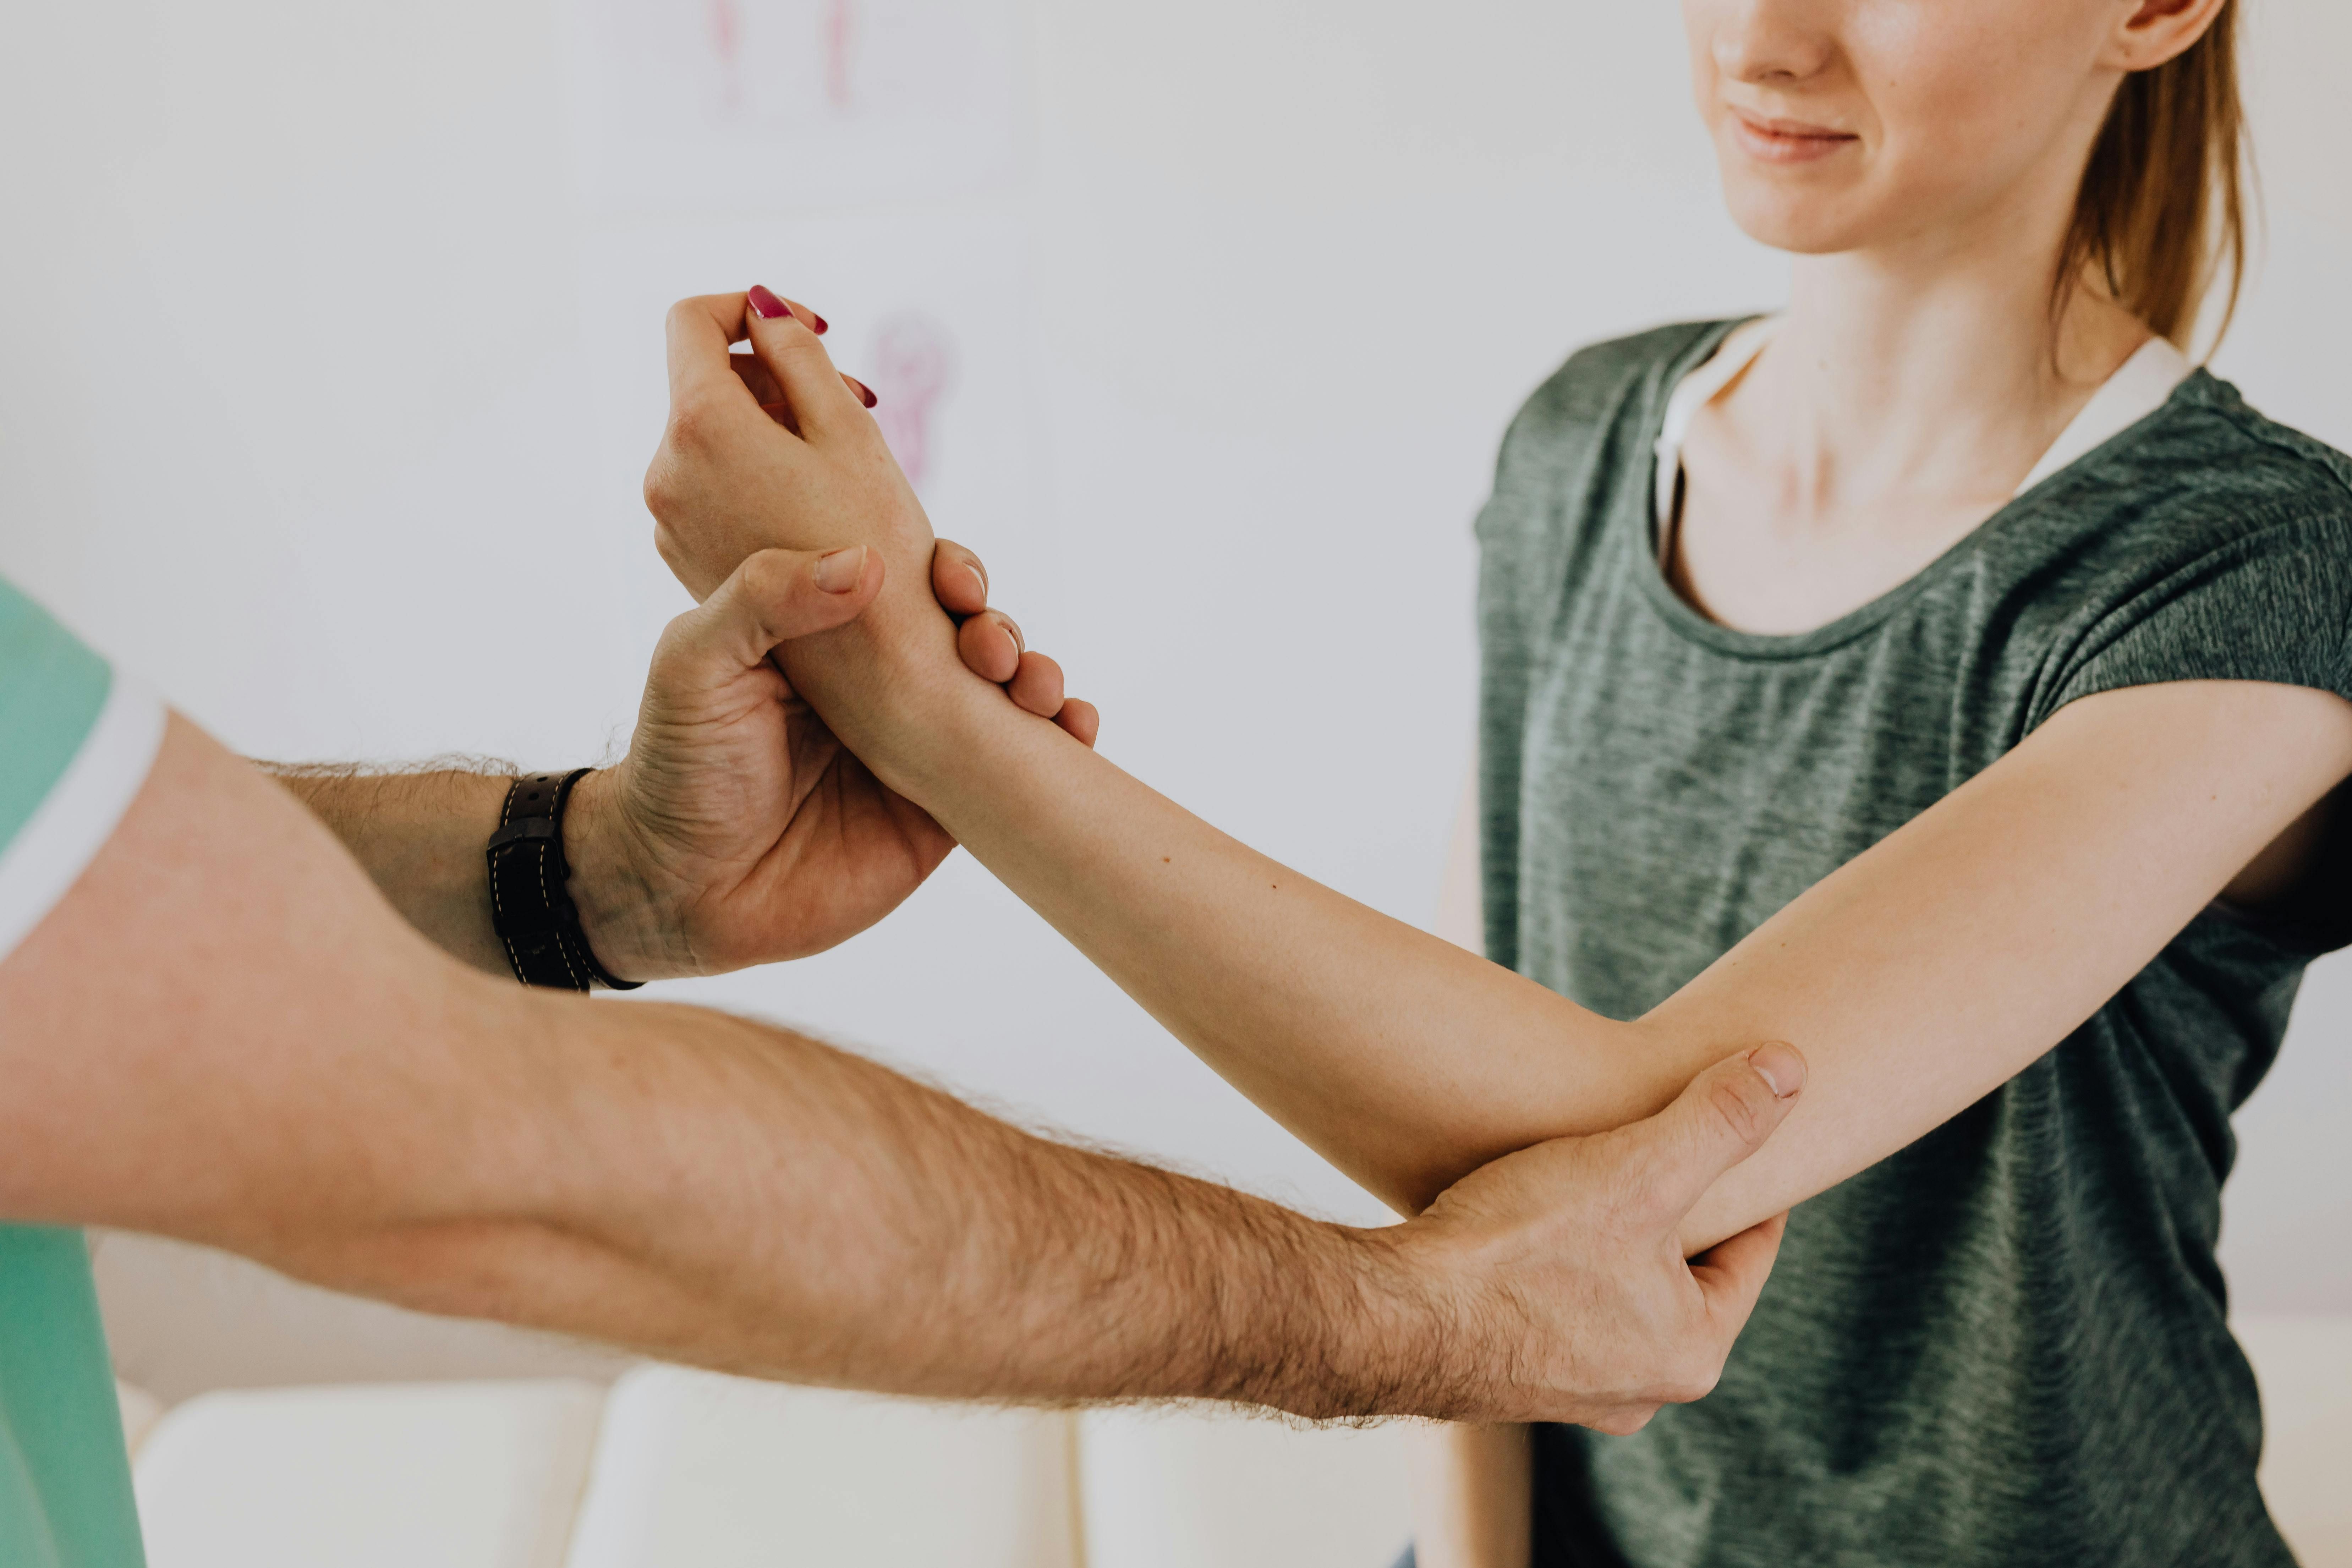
{"x":2143,"y":386}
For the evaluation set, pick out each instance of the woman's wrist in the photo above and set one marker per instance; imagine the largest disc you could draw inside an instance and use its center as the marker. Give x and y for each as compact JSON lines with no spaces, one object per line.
{"x":891,"y":684}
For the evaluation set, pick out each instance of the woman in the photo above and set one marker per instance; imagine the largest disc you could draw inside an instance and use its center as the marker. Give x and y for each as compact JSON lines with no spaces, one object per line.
{"x":1939,"y":674}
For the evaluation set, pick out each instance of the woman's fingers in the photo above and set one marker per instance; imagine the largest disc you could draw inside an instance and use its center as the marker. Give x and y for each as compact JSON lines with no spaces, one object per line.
{"x":754,"y":376}
{"x":767,"y":303}
{"x":820,"y":397}
{"x":771,"y":397}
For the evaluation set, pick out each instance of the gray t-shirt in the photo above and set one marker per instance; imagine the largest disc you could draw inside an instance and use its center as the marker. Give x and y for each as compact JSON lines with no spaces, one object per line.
{"x":2005,"y":1345}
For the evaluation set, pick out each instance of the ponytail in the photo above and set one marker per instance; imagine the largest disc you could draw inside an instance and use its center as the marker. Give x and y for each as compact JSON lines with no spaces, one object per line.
{"x":2161,"y":212}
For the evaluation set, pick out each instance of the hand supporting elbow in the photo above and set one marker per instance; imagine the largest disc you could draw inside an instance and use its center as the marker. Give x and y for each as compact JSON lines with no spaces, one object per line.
{"x":1567,"y":1295}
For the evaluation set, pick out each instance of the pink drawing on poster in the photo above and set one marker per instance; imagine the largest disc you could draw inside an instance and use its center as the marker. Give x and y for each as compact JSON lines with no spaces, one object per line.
{"x":840,"y":38}
{"x":914,"y":363}
{"x":726,"y":38}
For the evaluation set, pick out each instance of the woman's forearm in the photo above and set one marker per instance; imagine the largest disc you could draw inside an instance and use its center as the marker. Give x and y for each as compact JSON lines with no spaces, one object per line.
{"x":1404,"y":1060}
{"x":1915,"y":980}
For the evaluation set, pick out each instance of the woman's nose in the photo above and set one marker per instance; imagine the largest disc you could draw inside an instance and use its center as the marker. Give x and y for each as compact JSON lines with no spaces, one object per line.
{"x":1772,"y":40}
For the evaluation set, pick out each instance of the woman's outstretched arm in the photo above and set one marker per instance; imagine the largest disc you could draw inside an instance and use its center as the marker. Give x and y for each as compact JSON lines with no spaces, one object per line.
{"x":1916,"y":979}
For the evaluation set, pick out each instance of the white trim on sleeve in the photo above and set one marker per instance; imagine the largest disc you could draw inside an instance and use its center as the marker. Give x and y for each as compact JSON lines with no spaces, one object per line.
{"x":80,"y":811}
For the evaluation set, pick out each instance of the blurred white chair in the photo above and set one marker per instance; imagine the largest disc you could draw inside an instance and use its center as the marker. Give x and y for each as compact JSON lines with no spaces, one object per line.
{"x":2304,"y":1368}
{"x":691,"y":1468}
{"x":141,"y":1411}
{"x":1181,"y":1489}
{"x":720,"y":1472}
{"x":484,"y":1475}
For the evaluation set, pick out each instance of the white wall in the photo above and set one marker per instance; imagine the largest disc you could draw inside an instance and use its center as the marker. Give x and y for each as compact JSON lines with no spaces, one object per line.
{"x":325,"y":385}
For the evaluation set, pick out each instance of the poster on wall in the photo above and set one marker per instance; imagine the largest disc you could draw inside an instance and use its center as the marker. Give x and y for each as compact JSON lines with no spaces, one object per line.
{"x":762,"y":107}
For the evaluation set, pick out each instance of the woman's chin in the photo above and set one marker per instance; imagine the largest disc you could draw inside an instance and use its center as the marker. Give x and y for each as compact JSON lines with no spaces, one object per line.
{"x":1803,"y":223}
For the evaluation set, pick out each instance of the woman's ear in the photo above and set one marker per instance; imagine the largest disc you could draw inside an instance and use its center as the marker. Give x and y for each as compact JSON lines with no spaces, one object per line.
{"x":2155,"y":31}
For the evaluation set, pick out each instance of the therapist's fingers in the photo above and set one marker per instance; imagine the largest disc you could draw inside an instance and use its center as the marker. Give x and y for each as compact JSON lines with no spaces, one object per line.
{"x":991,"y":645}
{"x":1732,"y":1273}
{"x":772,"y":597}
{"x":1081,"y":718}
{"x":1036,"y":685}
{"x":1721,"y":1117}
{"x":959,"y":580}
{"x":822,"y":401}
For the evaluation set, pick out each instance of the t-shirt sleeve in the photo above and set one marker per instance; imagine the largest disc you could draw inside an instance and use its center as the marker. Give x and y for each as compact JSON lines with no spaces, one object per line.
{"x":77,"y":740}
{"x":2274,"y":605}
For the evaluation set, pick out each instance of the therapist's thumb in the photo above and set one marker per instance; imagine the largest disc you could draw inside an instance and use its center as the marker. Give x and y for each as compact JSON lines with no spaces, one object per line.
{"x":772,"y":597}
{"x":1723,"y":1116}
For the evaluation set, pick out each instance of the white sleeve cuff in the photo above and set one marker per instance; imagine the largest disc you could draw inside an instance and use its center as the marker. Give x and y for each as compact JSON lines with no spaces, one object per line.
{"x":80,"y":811}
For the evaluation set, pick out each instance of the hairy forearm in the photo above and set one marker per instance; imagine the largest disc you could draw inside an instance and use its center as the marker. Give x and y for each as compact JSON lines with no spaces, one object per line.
{"x":421,"y":835}
{"x":711,"y":1191}
{"x":668,"y":1178}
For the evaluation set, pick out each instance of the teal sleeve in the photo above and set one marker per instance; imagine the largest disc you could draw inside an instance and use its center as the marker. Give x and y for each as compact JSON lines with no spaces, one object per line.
{"x":65,"y":1479}
{"x":52,"y":689}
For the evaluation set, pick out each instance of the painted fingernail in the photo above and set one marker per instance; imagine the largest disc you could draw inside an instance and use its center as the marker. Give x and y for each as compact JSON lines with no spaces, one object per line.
{"x":840,"y":571}
{"x":865,"y":394}
{"x":1779,"y":1066}
{"x":817,"y":324}
{"x":768,"y":306}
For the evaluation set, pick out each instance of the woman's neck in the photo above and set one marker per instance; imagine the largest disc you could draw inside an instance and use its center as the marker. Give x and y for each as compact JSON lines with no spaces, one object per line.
{"x":1944,"y":373}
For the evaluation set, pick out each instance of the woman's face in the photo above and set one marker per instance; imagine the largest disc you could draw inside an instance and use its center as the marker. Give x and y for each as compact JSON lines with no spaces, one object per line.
{"x":1852,"y":124}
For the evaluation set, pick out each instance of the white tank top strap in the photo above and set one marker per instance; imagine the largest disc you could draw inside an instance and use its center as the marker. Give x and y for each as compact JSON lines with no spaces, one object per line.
{"x":2138,"y":389}
{"x":1696,"y":391}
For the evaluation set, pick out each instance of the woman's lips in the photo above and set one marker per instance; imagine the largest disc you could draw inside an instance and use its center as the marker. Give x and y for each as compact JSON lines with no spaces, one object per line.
{"x":1787,"y":140}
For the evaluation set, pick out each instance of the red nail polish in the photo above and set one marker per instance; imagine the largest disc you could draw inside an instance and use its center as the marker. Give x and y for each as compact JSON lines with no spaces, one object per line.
{"x":867,"y":393}
{"x":768,"y":306}
{"x":820,"y":328}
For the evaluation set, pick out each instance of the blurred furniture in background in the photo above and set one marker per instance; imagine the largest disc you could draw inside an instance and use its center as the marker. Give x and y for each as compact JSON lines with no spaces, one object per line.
{"x":619,"y":1465}
{"x":679,"y":1467}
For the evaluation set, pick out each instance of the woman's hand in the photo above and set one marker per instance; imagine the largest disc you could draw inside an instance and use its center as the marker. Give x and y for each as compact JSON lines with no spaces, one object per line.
{"x":776,"y":448}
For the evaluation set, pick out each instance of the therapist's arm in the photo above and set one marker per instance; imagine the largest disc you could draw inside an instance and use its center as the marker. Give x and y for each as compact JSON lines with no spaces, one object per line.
{"x":223,"y":1033}
{"x":1916,"y":979}
{"x":736,"y":830}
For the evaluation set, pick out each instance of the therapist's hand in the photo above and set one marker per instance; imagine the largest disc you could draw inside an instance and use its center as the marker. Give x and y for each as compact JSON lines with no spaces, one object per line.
{"x":1567,"y":1281}
{"x":738,"y":830}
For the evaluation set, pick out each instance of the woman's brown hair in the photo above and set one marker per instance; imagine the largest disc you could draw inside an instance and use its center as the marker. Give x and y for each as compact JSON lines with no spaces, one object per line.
{"x":2162,"y":209}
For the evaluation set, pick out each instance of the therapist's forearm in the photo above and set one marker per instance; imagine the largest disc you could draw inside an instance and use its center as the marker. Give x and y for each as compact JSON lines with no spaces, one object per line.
{"x":712,"y":1190}
{"x":421,"y":835}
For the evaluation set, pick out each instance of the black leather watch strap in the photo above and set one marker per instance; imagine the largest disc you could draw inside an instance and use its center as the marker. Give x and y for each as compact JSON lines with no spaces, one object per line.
{"x":529,"y":907}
